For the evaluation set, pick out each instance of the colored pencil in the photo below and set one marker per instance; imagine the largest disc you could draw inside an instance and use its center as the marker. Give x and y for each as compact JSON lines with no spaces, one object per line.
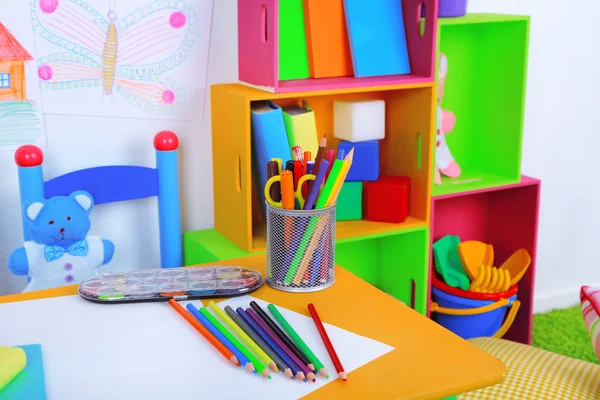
{"x":334,"y":357}
{"x":281,"y":334}
{"x":247,"y":353}
{"x":213,"y":329}
{"x":329,"y":184}
{"x":277,"y":363}
{"x":316,"y":187}
{"x":330,"y":158}
{"x":298,"y":340}
{"x":319,"y":156}
{"x":341,"y":178}
{"x":313,"y":245}
{"x":244,"y":338}
{"x":341,"y":154}
{"x":307,"y":372}
{"x":263,"y":334}
{"x":204,"y":332}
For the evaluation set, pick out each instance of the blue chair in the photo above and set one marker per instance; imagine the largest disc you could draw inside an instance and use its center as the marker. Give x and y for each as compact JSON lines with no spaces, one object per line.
{"x":109,"y":184}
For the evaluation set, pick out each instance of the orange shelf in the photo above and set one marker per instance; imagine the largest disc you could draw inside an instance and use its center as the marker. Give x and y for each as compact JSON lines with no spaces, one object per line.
{"x":407,"y":150}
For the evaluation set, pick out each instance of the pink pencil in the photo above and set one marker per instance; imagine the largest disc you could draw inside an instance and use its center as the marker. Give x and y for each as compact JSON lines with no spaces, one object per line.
{"x":330,"y":157}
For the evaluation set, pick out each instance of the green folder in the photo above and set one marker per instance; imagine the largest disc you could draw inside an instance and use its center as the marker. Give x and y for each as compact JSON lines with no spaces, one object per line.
{"x":293,"y":57}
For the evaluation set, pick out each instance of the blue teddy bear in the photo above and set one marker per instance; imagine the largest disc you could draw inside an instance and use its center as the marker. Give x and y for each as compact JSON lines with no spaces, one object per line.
{"x":60,"y":253}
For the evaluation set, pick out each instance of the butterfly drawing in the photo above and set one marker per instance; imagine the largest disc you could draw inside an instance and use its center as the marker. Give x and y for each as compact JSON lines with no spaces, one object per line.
{"x":125,"y":54}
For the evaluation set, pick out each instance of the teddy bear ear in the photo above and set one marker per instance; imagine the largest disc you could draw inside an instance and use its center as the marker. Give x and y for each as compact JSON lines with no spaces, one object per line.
{"x":85,"y":200}
{"x":33,"y":208}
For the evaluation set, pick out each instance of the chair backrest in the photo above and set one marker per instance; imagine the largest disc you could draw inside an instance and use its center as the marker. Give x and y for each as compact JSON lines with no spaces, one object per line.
{"x":109,"y":184}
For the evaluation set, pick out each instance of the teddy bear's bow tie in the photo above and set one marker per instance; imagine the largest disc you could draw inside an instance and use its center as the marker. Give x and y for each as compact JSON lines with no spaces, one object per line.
{"x":55,"y":252}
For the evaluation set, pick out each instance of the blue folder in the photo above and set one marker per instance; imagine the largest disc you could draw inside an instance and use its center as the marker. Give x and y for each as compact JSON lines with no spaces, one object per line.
{"x":30,"y":383}
{"x":269,"y":140}
{"x":377,"y":37}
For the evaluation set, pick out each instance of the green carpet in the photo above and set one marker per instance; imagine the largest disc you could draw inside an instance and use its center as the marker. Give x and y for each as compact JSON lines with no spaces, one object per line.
{"x":563,"y":332}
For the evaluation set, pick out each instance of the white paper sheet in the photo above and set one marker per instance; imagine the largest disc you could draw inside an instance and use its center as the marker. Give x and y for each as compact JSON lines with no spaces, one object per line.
{"x":21,"y":120}
{"x":123,"y":58}
{"x":148,"y":351}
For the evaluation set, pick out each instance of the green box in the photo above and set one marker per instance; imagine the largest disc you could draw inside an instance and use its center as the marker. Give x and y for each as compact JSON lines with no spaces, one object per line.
{"x":485,"y":89}
{"x":396,"y":263}
{"x":349,"y":202}
{"x":201,"y":247}
{"x":391,"y":261}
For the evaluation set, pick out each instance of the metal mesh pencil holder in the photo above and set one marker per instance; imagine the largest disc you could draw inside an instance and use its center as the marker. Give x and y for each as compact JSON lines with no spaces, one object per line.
{"x":300,"y":249}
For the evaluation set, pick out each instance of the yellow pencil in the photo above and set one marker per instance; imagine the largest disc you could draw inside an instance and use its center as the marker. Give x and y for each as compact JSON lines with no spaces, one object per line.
{"x":264,"y":357}
{"x":339,"y":182}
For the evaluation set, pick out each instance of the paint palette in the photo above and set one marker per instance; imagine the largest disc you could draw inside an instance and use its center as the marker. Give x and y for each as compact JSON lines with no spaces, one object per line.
{"x":164,"y":284}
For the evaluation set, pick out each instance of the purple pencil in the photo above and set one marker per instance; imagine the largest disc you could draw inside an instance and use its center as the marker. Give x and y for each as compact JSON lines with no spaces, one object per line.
{"x":316,"y":186}
{"x":307,"y":372}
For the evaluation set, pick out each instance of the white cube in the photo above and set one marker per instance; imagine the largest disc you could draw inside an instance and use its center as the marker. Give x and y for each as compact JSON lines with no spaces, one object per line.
{"x":359,"y":121}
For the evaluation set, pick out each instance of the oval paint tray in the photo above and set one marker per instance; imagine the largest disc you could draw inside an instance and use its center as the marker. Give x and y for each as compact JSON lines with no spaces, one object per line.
{"x":163,"y":284}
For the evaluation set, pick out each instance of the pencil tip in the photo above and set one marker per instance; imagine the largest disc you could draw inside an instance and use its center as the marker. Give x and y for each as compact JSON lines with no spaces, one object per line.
{"x":250,"y":368}
{"x":266,"y":374}
{"x":323,"y":373}
{"x":273,"y":366}
{"x":343,"y":376}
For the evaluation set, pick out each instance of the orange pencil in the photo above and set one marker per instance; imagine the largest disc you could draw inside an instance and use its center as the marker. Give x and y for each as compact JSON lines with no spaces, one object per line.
{"x":204,"y":332}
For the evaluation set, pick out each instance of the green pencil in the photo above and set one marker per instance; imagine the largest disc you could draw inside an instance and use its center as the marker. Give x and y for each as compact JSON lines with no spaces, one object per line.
{"x":253,"y":360}
{"x":298,"y":340}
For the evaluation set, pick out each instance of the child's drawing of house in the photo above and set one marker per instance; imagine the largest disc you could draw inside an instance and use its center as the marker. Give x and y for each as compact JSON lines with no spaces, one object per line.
{"x":12,"y":67}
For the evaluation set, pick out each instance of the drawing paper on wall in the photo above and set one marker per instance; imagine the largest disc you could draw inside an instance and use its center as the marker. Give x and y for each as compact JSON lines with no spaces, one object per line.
{"x":123,"y":58}
{"x":21,"y":111}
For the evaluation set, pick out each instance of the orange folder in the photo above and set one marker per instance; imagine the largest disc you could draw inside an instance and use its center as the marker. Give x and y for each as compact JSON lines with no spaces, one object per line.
{"x":327,"y":39}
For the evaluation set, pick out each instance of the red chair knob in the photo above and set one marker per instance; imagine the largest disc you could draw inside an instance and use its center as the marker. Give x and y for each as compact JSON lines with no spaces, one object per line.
{"x":166,"y":141}
{"x":29,"y":156}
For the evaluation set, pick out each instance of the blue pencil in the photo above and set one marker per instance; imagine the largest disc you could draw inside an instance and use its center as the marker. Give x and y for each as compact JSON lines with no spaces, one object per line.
{"x":341,"y":154}
{"x":213,"y":329}
{"x":263,"y":335}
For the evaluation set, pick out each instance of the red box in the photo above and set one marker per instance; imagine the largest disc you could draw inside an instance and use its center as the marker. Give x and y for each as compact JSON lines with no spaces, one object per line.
{"x":387,"y":199}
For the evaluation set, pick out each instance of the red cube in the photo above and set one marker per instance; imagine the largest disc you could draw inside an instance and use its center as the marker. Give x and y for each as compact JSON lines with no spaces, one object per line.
{"x":387,"y":199}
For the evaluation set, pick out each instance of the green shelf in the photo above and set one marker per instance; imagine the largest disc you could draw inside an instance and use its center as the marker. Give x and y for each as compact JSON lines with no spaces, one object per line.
{"x":485,"y":89}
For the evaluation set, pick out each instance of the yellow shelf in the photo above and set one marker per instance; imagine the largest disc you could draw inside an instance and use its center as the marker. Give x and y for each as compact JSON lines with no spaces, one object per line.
{"x":407,"y":150}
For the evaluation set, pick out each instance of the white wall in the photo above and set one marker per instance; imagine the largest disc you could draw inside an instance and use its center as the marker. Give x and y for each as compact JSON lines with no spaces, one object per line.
{"x":563,"y":103}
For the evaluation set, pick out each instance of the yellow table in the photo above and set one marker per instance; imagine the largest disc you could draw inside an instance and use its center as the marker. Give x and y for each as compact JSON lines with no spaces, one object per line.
{"x":428,"y":362}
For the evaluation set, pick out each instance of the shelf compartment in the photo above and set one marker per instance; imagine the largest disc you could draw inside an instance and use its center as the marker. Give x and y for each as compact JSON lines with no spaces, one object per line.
{"x":485,"y":89}
{"x":505,"y":217}
{"x":258,"y":42}
{"x":406,"y":151}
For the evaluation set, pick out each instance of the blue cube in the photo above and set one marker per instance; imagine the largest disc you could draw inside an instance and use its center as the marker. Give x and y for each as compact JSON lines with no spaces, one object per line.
{"x":365,"y":166}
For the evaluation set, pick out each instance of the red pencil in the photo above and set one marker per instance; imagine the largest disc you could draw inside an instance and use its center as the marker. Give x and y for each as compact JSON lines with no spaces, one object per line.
{"x":334,"y":357}
{"x":298,"y":173}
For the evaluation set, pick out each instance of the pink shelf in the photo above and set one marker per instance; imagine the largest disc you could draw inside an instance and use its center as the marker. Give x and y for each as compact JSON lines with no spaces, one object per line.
{"x":507,"y":218}
{"x":258,"y":58}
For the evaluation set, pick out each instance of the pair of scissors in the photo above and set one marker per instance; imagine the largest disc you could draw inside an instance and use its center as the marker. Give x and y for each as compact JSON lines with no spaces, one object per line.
{"x":287,"y":190}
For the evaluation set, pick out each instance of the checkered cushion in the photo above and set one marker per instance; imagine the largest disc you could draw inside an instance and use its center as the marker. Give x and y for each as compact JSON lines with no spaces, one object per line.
{"x":537,"y":374}
{"x":590,"y":310}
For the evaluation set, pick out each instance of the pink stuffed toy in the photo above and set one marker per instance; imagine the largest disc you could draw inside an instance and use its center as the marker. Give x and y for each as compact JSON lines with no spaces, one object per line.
{"x":444,"y":161}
